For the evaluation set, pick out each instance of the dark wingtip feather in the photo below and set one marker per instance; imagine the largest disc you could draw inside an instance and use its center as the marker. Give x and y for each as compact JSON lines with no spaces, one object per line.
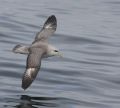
{"x":26,"y":82}
{"x":51,"y":22}
{"x":29,"y":77}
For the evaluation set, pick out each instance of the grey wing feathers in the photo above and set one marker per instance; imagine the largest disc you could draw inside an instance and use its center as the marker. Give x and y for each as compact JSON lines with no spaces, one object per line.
{"x":48,"y":29}
{"x":32,"y":68}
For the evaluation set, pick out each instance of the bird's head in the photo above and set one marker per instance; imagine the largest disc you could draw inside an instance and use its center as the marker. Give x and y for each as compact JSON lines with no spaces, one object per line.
{"x":54,"y":52}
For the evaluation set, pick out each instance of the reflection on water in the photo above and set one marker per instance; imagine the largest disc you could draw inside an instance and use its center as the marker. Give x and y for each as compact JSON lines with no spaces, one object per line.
{"x":26,"y":101}
{"x":35,"y":102}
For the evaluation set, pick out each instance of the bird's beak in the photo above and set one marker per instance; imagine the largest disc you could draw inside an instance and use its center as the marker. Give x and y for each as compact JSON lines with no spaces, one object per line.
{"x":60,"y":54}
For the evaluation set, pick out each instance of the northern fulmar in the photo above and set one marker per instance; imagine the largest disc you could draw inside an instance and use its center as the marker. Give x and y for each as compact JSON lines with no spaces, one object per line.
{"x":40,"y":48}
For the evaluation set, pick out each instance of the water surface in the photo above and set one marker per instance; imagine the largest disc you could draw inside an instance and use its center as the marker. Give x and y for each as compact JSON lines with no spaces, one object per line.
{"x":88,"y":34}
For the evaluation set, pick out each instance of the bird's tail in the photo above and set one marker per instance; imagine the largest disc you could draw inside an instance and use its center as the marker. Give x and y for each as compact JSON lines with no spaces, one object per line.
{"x":21,"y":49}
{"x":51,"y":22}
{"x":28,"y":77}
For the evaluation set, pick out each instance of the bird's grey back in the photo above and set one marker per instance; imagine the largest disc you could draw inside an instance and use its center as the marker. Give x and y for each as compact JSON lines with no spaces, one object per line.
{"x":35,"y":56}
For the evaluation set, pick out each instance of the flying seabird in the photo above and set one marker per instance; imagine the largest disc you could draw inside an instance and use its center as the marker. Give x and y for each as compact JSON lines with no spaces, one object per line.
{"x":40,"y":48}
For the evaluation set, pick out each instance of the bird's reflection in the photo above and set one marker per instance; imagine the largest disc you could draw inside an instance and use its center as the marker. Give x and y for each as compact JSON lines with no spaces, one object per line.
{"x":35,"y":102}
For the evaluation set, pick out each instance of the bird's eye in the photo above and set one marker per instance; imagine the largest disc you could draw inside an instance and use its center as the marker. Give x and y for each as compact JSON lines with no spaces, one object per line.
{"x":56,"y":50}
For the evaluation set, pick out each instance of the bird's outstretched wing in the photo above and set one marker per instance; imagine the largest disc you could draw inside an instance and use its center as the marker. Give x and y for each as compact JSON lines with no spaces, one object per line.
{"x":48,"y":29}
{"x":32,"y":66}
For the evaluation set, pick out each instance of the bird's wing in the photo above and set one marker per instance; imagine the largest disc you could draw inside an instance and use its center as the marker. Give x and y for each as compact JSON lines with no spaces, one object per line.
{"x":32,"y":66}
{"x":48,"y":29}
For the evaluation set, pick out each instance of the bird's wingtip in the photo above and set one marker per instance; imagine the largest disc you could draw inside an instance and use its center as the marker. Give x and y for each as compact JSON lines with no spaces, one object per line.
{"x":29,"y":77}
{"x":51,"y":22}
{"x":24,"y":87}
{"x":52,"y":16}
